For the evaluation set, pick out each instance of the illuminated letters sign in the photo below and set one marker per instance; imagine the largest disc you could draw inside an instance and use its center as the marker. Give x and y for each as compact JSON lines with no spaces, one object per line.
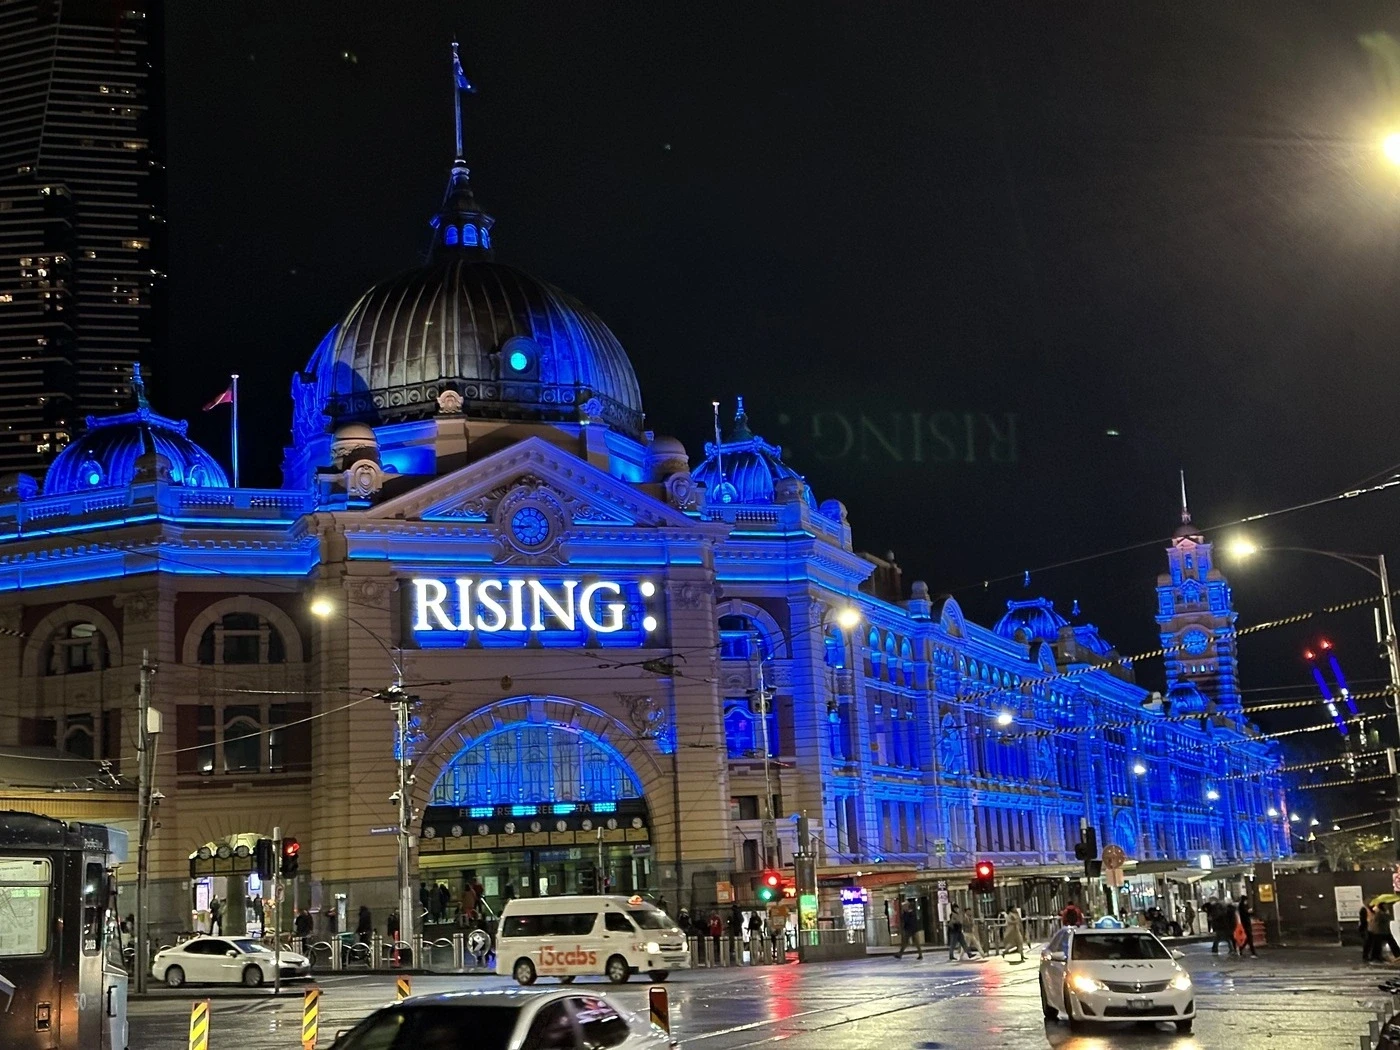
{"x":494,"y":606}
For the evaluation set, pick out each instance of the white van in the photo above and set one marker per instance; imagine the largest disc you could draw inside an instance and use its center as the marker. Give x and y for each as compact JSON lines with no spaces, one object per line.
{"x":567,"y":937}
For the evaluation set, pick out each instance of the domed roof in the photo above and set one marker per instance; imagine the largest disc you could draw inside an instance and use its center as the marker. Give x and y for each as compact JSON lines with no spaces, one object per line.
{"x":1186,"y":698}
{"x":513,"y":346}
{"x":1030,"y":621}
{"x":744,"y":468}
{"x":106,"y":455}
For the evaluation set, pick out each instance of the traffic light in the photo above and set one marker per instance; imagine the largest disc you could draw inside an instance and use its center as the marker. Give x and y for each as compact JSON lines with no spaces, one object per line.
{"x":262,"y":858}
{"x":770,"y":884}
{"x":291,"y":858}
{"x":588,"y":879}
{"x":1087,"y":848}
{"x":984,"y":877}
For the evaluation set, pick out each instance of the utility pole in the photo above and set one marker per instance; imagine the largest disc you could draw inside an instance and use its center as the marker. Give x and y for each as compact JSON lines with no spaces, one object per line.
{"x":401,"y":703}
{"x":770,"y":827}
{"x":277,"y":912}
{"x":146,"y":727}
{"x":1392,"y":656}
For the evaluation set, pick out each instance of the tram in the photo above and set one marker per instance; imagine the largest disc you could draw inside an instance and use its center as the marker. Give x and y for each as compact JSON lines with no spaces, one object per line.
{"x":62,"y":983}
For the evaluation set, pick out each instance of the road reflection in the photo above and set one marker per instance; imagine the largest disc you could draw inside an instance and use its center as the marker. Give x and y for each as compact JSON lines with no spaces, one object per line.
{"x":1118,"y":1037}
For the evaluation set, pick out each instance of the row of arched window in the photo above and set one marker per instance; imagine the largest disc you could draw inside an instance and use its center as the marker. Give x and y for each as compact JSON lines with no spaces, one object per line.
{"x":234,"y":638}
{"x":470,"y":236}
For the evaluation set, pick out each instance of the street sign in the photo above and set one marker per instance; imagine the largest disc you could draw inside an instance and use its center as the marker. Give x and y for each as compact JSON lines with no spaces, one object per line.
{"x":1266,"y":893}
{"x":724,"y":892}
{"x":1113,"y":876}
{"x":392,"y":829}
{"x":940,"y":847}
{"x":1113,"y":857}
{"x":770,"y":838}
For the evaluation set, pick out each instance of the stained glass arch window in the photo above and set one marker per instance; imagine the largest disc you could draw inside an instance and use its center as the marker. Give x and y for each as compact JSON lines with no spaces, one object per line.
{"x":535,"y":762}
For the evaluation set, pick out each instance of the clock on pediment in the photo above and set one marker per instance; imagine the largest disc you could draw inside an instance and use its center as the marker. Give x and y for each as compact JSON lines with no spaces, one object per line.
{"x":1195,"y":641}
{"x":532,"y":519}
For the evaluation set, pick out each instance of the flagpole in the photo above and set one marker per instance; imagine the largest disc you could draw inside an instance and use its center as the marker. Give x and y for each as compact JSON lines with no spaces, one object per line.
{"x":457,"y":97}
{"x":235,"y":430}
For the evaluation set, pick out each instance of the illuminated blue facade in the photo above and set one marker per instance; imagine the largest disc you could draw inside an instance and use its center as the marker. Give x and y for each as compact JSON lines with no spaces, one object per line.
{"x":472,"y":502}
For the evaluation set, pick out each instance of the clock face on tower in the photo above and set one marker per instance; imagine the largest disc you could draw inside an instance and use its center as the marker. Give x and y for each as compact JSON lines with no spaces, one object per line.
{"x":1195,"y":641}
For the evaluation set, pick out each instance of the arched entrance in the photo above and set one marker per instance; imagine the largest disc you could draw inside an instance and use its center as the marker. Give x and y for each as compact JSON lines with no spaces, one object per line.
{"x":538,"y":805}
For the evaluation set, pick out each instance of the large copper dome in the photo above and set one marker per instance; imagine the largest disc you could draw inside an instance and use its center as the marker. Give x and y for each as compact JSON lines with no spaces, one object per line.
{"x":512,"y":346}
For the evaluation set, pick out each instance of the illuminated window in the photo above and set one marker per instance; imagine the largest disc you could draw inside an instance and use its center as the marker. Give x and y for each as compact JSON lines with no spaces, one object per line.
{"x":449,"y":235}
{"x":535,"y":764}
{"x":485,"y":237}
{"x":469,"y":235}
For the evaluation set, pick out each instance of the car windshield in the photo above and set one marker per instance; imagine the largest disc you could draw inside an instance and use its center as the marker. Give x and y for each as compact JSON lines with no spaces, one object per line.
{"x":652,"y":918}
{"x":434,"y":1028}
{"x":248,"y":947}
{"x":1119,"y":946}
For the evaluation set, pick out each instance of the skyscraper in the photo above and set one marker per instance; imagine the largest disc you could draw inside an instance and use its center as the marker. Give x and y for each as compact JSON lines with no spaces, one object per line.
{"x":82,"y":190}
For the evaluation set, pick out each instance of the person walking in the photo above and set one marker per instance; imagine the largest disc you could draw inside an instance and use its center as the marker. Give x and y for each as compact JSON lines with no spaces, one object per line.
{"x":909,"y":932}
{"x":216,"y":916}
{"x":957,"y":939}
{"x":716,"y":926}
{"x":301,"y":925}
{"x":1363,"y":927}
{"x":1375,"y":935}
{"x":364,"y":926}
{"x":1246,"y":914}
{"x":1223,"y":920}
{"x":1014,"y":936}
{"x":1072,"y":914}
{"x":736,"y":931}
{"x":425,"y":901}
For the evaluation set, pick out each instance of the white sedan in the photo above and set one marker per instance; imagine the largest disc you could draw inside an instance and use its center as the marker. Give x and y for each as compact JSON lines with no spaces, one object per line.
{"x":1096,"y":975}
{"x":225,"y":960}
{"x":508,"y":1019}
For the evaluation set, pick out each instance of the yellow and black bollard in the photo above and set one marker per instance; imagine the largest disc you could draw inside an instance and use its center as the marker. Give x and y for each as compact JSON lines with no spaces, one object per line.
{"x":199,"y":1025}
{"x":310,"y":1017}
{"x":660,"y":1009}
{"x":403,"y":988}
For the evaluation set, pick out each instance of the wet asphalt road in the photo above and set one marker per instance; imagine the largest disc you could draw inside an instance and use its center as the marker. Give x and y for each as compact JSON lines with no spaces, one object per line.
{"x":1285,"y":1000}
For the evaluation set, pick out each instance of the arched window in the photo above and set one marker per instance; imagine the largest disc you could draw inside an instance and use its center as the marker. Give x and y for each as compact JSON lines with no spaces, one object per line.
{"x":77,"y":736}
{"x":242,"y":638}
{"x":449,"y":235}
{"x":469,"y":235}
{"x":76,"y":648}
{"x":741,"y":638}
{"x":242,"y":739}
{"x":535,"y":763}
{"x":891,"y":661}
{"x":485,"y":237}
{"x":835,"y":648}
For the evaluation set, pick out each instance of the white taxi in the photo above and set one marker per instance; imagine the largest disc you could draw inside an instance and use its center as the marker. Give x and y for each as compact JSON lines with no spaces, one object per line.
{"x":1094,"y":975}
{"x":226,"y":960}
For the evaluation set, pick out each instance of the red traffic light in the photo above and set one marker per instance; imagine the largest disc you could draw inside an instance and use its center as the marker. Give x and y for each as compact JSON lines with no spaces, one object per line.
{"x":1325,"y":644}
{"x":985,"y":870}
{"x":290,"y":847}
{"x":772,"y":878}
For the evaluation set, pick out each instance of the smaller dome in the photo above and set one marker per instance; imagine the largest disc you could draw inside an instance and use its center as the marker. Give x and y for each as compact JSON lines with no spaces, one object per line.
{"x":1030,"y":621}
{"x":1186,"y":698}
{"x":744,"y":468}
{"x":109,"y":454}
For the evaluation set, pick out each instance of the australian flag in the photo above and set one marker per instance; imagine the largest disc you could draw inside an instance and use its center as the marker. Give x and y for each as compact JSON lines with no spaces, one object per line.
{"x":463,"y":84}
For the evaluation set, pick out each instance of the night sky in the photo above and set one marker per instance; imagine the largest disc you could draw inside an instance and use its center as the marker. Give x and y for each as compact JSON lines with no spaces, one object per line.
{"x":1117,"y":240}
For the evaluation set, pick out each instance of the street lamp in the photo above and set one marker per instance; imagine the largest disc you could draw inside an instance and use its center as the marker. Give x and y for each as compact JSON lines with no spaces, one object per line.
{"x":323,"y":608}
{"x":1390,"y":146}
{"x":1243,"y":547}
{"x":1005,"y":718}
{"x":1314,"y":822}
{"x":1139,"y":769}
{"x":1213,"y":795}
{"x":848,"y":618}
{"x":1293,"y":818}
{"x":1273,"y":812}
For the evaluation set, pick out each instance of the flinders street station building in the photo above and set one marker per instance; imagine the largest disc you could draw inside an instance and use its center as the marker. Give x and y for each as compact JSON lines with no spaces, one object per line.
{"x":604,"y":632}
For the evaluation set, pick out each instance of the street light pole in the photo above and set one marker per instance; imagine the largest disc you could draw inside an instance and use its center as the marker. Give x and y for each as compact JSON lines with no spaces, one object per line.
{"x":770,"y":826}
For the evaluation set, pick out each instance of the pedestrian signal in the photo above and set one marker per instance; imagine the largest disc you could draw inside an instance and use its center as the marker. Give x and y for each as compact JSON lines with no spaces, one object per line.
{"x":262,"y":858}
{"x":291,"y":858}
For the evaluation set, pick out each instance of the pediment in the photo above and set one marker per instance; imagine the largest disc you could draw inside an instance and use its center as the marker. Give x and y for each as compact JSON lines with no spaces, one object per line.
{"x":537,"y":473}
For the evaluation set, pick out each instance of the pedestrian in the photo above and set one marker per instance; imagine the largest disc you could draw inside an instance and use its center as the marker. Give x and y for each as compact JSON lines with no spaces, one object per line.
{"x":1246,"y":914}
{"x":957,"y":935}
{"x":736,"y":930}
{"x":444,"y":901}
{"x":1223,"y":921}
{"x":258,"y":916}
{"x":391,"y":926}
{"x":1188,"y":924}
{"x":716,"y":932}
{"x":683,"y":921}
{"x":1375,"y":933}
{"x":662,"y":905}
{"x":1363,"y":927}
{"x":1387,"y":937}
{"x":1072,"y":915}
{"x":776,"y":930}
{"x":216,"y":916}
{"x":425,"y":899}
{"x":909,"y":932}
{"x":302,"y":926}
{"x":1014,"y":935}
{"x":364,"y":926}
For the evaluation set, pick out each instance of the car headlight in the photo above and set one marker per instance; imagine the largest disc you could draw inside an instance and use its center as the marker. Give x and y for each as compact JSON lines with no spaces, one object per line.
{"x":653,"y":948}
{"x":1182,"y":981}
{"x":1081,"y":982}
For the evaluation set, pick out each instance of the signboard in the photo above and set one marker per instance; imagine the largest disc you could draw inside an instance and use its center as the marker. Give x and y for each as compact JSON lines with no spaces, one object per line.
{"x":1349,"y":903}
{"x":389,"y":829}
{"x":770,"y":835}
{"x":724,"y":892}
{"x":1113,"y":876}
{"x":944,"y":909}
{"x":940,"y":847}
{"x":1113,"y":857}
{"x":529,"y":605}
{"x":1266,"y":893}
{"x":807,"y":911}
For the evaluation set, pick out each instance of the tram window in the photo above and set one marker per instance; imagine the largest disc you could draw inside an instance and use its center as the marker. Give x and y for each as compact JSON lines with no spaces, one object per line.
{"x":94,"y":894}
{"x":24,"y":905}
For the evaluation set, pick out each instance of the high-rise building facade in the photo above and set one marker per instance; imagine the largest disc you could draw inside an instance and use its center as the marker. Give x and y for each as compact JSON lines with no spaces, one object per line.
{"x":82,"y":190}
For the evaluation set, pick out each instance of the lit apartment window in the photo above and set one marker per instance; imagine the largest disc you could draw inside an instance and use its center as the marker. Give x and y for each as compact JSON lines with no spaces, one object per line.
{"x":137,"y":242}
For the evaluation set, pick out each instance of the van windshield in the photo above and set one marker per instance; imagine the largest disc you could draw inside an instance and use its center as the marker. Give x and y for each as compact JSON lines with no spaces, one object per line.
{"x":652,"y":918}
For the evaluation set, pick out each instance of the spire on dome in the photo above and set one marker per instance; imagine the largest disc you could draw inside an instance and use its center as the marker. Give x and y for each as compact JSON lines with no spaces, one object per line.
{"x":138,"y":387}
{"x":1185,"y":510}
{"x":461,"y":225}
{"x":1186,"y":530}
{"x":740,"y":431}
